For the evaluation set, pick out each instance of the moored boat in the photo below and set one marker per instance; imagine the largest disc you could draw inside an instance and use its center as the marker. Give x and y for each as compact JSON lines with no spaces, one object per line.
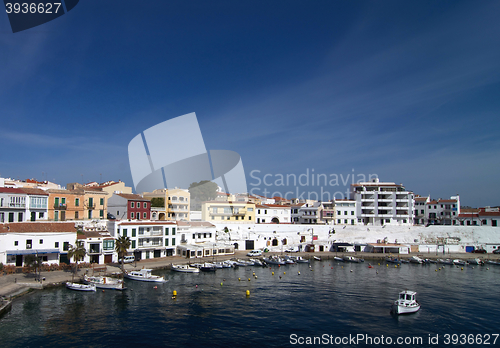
{"x":80,"y":287}
{"x":352,"y":259}
{"x":103,"y":282}
{"x":274,"y":260}
{"x":406,"y":303}
{"x":185,"y":269}
{"x":459,"y":262}
{"x":416,"y":259}
{"x":336,"y":258}
{"x":143,"y":275}
{"x":475,"y":261}
{"x":208,"y":267}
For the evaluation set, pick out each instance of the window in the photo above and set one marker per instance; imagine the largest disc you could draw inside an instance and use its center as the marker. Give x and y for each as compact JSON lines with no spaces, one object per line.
{"x":63,"y":201}
{"x":20,"y":217}
{"x":125,"y":232}
{"x":76,"y":215}
{"x":352,"y":212}
{"x":173,"y":241}
{"x":16,"y":243}
{"x":133,"y":244}
{"x":166,"y":241}
{"x":56,"y":216}
{"x":65,"y":246}
{"x":132,"y":205}
{"x":144,"y":215}
{"x":132,"y":215}
{"x":145,"y":205}
{"x":249,"y":209}
{"x":41,"y":241}
{"x":40,"y":216}
{"x":173,"y":231}
{"x":101,"y":213}
{"x":77,"y":202}
{"x":101,"y":201}
{"x":108,"y":244}
{"x":258,"y":211}
{"x":56,"y":245}
{"x":166,"y":231}
{"x":91,"y":202}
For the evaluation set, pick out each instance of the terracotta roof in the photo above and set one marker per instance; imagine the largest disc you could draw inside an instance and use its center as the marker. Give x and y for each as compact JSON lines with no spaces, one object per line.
{"x":421,"y":198}
{"x":91,"y":234}
{"x":468,"y":215}
{"x":34,"y":191}
{"x":30,"y":227}
{"x":447,"y":201}
{"x":11,"y":190}
{"x":489,"y":213}
{"x":132,"y":197}
{"x":432,"y":202}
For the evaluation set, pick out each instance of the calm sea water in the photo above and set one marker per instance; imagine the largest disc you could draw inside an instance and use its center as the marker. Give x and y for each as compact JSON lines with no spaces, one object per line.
{"x":326,"y":301}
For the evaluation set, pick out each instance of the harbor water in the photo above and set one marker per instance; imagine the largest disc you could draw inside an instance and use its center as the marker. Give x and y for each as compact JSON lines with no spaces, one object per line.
{"x":324,"y":303}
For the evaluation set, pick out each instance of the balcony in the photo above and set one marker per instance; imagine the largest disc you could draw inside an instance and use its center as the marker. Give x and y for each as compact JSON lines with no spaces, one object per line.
{"x":17,"y":205}
{"x":94,"y":250}
{"x":60,"y":206}
{"x":90,"y":206}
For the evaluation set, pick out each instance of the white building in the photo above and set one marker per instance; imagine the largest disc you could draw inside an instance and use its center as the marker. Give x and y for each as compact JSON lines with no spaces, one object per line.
{"x":48,"y":240}
{"x":100,"y":247}
{"x":442,"y":211}
{"x":23,"y":204}
{"x":148,"y":239}
{"x":198,"y":239}
{"x":346,"y":213}
{"x":383,"y":203}
{"x":272,"y":213}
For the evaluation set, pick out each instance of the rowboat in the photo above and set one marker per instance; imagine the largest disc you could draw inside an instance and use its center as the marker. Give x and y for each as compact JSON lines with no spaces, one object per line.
{"x":80,"y":287}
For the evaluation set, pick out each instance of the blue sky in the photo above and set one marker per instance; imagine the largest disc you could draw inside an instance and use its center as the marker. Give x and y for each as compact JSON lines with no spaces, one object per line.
{"x":407,"y":90}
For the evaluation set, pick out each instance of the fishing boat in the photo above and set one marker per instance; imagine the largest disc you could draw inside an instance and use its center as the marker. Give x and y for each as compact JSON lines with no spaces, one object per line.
{"x":336,"y":258}
{"x":274,"y":260}
{"x":80,"y":287}
{"x":317,"y":258}
{"x":416,"y":259}
{"x":445,"y":262}
{"x":475,"y":261}
{"x":300,"y":259}
{"x":393,"y":260}
{"x":351,"y":259}
{"x":144,"y":275}
{"x":185,"y":269}
{"x":406,"y":303}
{"x":102,"y":282}
{"x":208,"y":267}
{"x":459,"y":262}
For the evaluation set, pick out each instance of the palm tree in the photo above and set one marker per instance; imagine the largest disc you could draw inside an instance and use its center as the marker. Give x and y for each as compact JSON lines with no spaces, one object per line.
{"x":77,"y":252}
{"x":122,"y":244}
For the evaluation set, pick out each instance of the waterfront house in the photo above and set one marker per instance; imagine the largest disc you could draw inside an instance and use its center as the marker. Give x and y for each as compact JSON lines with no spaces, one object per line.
{"x":148,"y":239}
{"x":65,"y":205}
{"x":272,"y":213}
{"x":124,"y":206}
{"x":176,"y":204}
{"x":228,"y":212}
{"x":23,"y":204}
{"x":100,"y":246}
{"x":49,"y":240}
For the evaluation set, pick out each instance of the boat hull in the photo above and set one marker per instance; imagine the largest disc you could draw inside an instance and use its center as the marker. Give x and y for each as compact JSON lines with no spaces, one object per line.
{"x":401,"y":309}
{"x":80,"y":287}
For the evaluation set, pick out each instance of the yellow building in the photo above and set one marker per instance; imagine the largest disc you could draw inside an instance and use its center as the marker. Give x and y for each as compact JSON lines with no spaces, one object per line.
{"x":176,"y":207}
{"x":65,"y":205}
{"x":230,"y":212}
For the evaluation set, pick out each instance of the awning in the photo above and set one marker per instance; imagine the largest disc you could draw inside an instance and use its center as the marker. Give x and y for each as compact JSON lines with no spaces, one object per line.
{"x":33,"y":251}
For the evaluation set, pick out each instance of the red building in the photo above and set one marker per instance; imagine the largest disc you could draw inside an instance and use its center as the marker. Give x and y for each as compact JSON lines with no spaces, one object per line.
{"x":124,"y":206}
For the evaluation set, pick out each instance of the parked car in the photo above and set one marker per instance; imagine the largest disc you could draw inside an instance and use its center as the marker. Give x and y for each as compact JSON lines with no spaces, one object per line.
{"x":127,"y":259}
{"x":479,"y":251}
{"x":496,"y":251}
{"x":255,"y":253}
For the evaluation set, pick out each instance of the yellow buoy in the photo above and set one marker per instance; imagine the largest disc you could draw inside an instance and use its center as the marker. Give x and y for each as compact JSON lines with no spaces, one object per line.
{"x":379,"y":263}
{"x":239,"y":279}
{"x":299,"y":272}
{"x":221,"y":284}
{"x":387,"y":265}
{"x":436,"y":270}
{"x":395,"y":266}
{"x":284,"y":272}
{"x":248,"y":292}
{"x":273,"y":273}
{"x":248,"y":279}
{"x":462,"y":268}
{"x":253,"y":273}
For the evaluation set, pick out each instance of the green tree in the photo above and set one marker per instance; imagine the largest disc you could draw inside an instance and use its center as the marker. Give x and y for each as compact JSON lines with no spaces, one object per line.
{"x":122,"y":244}
{"x":202,"y":191}
{"x":76,"y":252}
{"x":158,"y":202}
{"x":31,"y":261}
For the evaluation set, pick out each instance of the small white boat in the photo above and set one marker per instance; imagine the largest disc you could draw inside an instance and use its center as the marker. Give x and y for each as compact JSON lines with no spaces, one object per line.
{"x":300,"y":259}
{"x":102,"y":282}
{"x":274,"y":260}
{"x":351,"y":259}
{"x":459,"y":262}
{"x":185,"y":269}
{"x":339,"y":259}
{"x":416,"y":259}
{"x":476,"y":261}
{"x":144,"y":275}
{"x":80,"y":287}
{"x":208,"y":267}
{"x":406,"y":303}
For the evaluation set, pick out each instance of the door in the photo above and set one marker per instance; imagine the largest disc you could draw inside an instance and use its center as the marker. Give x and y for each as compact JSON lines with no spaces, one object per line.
{"x":33,"y":216}
{"x":108,"y":258}
{"x":19,"y":260}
